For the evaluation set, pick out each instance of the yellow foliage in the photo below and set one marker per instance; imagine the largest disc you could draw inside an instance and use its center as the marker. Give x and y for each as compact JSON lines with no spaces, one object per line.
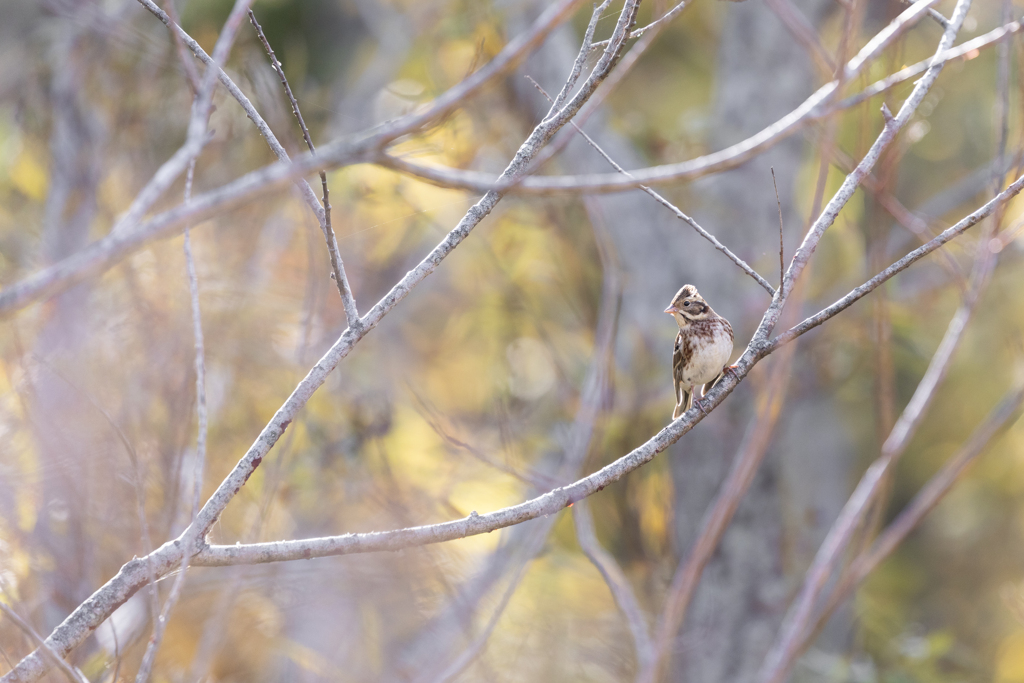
{"x":28,"y":173}
{"x":1010,"y":660}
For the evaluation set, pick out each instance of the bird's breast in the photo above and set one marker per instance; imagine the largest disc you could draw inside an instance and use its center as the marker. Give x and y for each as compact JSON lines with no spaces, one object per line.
{"x":710,"y":350}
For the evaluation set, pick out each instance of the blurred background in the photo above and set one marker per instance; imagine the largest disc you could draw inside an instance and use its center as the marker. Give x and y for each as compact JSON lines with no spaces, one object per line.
{"x":463,"y":398}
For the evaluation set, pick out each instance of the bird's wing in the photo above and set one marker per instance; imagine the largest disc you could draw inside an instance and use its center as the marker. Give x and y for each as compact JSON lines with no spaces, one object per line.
{"x":682,"y":391}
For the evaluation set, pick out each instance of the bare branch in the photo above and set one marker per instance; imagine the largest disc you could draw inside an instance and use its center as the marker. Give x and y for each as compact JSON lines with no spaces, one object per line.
{"x":476,"y":647}
{"x":1002,"y":114}
{"x":581,"y":60}
{"x":1001,"y":417}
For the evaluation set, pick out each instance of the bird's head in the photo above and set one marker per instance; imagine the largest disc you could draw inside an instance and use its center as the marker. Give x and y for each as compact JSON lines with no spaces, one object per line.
{"x":688,"y":306}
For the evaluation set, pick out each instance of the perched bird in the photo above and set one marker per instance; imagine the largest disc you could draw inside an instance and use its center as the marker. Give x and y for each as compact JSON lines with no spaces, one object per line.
{"x":703,"y":347}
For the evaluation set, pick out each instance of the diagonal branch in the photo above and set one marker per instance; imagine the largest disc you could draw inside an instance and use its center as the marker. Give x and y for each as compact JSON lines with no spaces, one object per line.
{"x":947,"y":235}
{"x":581,"y":60}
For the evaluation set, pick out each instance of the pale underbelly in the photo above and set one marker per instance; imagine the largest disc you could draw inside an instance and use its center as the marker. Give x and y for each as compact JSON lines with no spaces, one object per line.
{"x":707,"y":362}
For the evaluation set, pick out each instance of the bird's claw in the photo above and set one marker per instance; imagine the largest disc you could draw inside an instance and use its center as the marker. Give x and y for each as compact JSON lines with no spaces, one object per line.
{"x":699,"y":402}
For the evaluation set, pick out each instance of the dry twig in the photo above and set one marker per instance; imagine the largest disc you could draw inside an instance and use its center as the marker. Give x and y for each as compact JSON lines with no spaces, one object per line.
{"x":337,"y":265}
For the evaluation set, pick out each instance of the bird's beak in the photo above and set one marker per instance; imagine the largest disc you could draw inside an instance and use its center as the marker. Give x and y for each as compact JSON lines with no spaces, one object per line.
{"x":671,"y":309}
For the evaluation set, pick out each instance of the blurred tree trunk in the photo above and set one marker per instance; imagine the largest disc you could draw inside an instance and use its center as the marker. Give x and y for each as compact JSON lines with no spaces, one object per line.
{"x":70,"y":207}
{"x":762,"y":74}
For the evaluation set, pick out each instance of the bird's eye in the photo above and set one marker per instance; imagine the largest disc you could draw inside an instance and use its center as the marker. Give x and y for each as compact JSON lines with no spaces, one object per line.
{"x":686,"y":303}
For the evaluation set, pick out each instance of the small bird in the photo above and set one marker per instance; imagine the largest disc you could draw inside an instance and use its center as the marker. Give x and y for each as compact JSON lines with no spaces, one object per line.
{"x":703,"y":347}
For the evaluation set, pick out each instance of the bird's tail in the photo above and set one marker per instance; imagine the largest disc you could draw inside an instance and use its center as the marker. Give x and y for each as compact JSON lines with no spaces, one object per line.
{"x":682,"y":405}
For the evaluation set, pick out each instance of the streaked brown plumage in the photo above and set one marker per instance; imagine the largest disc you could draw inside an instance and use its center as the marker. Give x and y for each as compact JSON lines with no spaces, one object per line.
{"x":703,"y":347}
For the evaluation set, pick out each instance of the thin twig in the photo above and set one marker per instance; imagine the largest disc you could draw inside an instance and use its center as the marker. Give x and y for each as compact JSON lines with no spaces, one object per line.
{"x":934,"y":14}
{"x":73,"y":674}
{"x":581,"y":60}
{"x":191,"y":74}
{"x":916,"y":224}
{"x":1002,"y":113}
{"x":804,"y":33}
{"x":337,"y":265}
{"x":671,"y":207}
{"x":535,"y":479}
{"x":139,"y":486}
{"x":782,"y":263}
{"x":657,"y":23}
{"x":199,"y":463}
